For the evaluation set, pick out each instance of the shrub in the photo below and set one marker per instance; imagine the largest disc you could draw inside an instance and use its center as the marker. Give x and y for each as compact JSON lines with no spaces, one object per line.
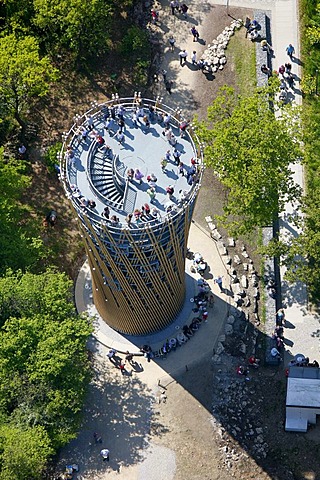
{"x":50,"y":158}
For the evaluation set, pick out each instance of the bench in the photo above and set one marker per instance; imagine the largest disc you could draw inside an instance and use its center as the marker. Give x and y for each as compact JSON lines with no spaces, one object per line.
{"x":262,"y":56}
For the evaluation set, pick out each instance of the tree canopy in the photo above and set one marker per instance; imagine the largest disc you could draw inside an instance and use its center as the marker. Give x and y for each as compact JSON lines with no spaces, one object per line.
{"x":23,"y":452}
{"x":23,"y":73}
{"x":78,"y":25}
{"x":44,"y":367}
{"x":21,"y":245}
{"x":251,"y":152}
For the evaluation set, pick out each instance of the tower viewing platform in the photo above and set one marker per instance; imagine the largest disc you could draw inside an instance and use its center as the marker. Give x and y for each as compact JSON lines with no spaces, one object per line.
{"x":132,"y":169}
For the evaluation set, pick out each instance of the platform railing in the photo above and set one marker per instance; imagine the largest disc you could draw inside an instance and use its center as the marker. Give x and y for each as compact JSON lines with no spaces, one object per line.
{"x":129,"y":103}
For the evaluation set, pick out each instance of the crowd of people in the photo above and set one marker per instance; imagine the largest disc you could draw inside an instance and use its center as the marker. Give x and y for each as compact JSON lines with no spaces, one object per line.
{"x":114,"y":120}
{"x":180,"y":9}
{"x":284,"y":72}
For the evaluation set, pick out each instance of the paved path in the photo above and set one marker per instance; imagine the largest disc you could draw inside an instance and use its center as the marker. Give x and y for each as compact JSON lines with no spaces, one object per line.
{"x":304,"y":330}
{"x":119,"y":407}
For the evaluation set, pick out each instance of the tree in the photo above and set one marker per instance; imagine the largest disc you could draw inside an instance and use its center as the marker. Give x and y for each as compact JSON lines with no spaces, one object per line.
{"x":26,"y":294}
{"x":23,"y":74}
{"x":44,"y":366}
{"x":44,"y":373}
{"x":21,"y":245}
{"x":251,"y":152}
{"x":78,"y":26}
{"x":23,"y":452}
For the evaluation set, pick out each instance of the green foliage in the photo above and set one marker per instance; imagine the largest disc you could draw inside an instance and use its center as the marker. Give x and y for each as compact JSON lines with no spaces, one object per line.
{"x":21,"y":246}
{"x":313,"y":34}
{"x":250,"y":150}
{"x":77,"y":26}
{"x":44,"y":368}
{"x":308,"y":84}
{"x":23,"y":294}
{"x":310,"y":21}
{"x":135,"y":47}
{"x":50,"y":157}
{"x":140,"y":72}
{"x":135,"y":42}
{"x":23,"y":74}
{"x":44,"y":373}
{"x":23,"y":452}
{"x":302,"y":257}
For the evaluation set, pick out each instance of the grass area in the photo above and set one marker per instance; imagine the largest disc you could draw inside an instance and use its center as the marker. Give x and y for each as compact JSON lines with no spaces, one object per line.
{"x":241,"y":53}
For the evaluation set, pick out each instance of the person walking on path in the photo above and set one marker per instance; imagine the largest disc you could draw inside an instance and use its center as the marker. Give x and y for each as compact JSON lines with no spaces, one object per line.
{"x":195,"y":33}
{"x":218,"y":281}
{"x":97,"y":437}
{"x":105,"y":453}
{"x":129,"y":356}
{"x":164,"y":74}
{"x":290,"y":50}
{"x":174,"y":5}
{"x":111,"y":354}
{"x":184,"y":9}
{"x":172,"y":42}
{"x":183,"y":57}
{"x":194,"y":58}
{"x":154,"y":16}
{"x":122,"y":367}
{"x":168,"y":85}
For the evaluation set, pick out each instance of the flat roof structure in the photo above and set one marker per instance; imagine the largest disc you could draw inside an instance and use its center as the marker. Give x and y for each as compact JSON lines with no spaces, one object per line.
{"x":137,"y":266}
{"x":303,"y":398}
{"x":303,"y":387}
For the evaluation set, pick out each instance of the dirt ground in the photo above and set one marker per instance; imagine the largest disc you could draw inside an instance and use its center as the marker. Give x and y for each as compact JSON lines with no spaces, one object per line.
{"x":210,"y":420}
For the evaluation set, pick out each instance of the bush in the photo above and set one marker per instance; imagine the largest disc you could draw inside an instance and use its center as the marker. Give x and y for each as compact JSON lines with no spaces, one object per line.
{"x":135,"y":44}
{"x":50,"y":158}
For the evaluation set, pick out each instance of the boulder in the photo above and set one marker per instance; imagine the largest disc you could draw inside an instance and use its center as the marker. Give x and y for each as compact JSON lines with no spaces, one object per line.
{"x":216,"y":235}
{"x":219,"y":349}
{"x":244,"y":281}
{"x":228,"y":329}
{"x":236,"y":260}
{"x":231,"y":242}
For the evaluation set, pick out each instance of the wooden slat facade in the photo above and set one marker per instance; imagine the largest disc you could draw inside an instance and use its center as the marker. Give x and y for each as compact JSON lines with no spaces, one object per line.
{"x":138,"y":289}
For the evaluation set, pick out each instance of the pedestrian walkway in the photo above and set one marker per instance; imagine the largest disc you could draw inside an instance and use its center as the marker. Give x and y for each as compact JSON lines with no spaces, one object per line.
{"x":199,"y":240}
{"x":303,"y":334}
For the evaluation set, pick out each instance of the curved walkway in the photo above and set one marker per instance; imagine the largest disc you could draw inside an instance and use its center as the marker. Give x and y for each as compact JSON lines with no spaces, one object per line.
{"x":113,"y":397}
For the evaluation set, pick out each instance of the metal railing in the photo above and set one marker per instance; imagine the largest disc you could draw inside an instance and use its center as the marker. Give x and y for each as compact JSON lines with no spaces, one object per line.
{"x":129,"y":103}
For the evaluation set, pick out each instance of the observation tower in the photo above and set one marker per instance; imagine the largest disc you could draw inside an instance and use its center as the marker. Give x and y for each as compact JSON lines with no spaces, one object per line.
{"x":135,"y":244}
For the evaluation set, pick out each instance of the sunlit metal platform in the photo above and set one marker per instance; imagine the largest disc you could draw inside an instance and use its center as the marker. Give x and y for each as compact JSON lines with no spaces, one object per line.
{"x":100,"y":175}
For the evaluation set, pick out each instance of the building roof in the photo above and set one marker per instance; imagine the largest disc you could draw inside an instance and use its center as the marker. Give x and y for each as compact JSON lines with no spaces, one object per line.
{"x":303,"y":389}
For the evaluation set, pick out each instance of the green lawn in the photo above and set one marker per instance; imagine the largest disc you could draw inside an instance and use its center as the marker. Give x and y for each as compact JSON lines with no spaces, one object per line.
{"x":241,"y":53}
